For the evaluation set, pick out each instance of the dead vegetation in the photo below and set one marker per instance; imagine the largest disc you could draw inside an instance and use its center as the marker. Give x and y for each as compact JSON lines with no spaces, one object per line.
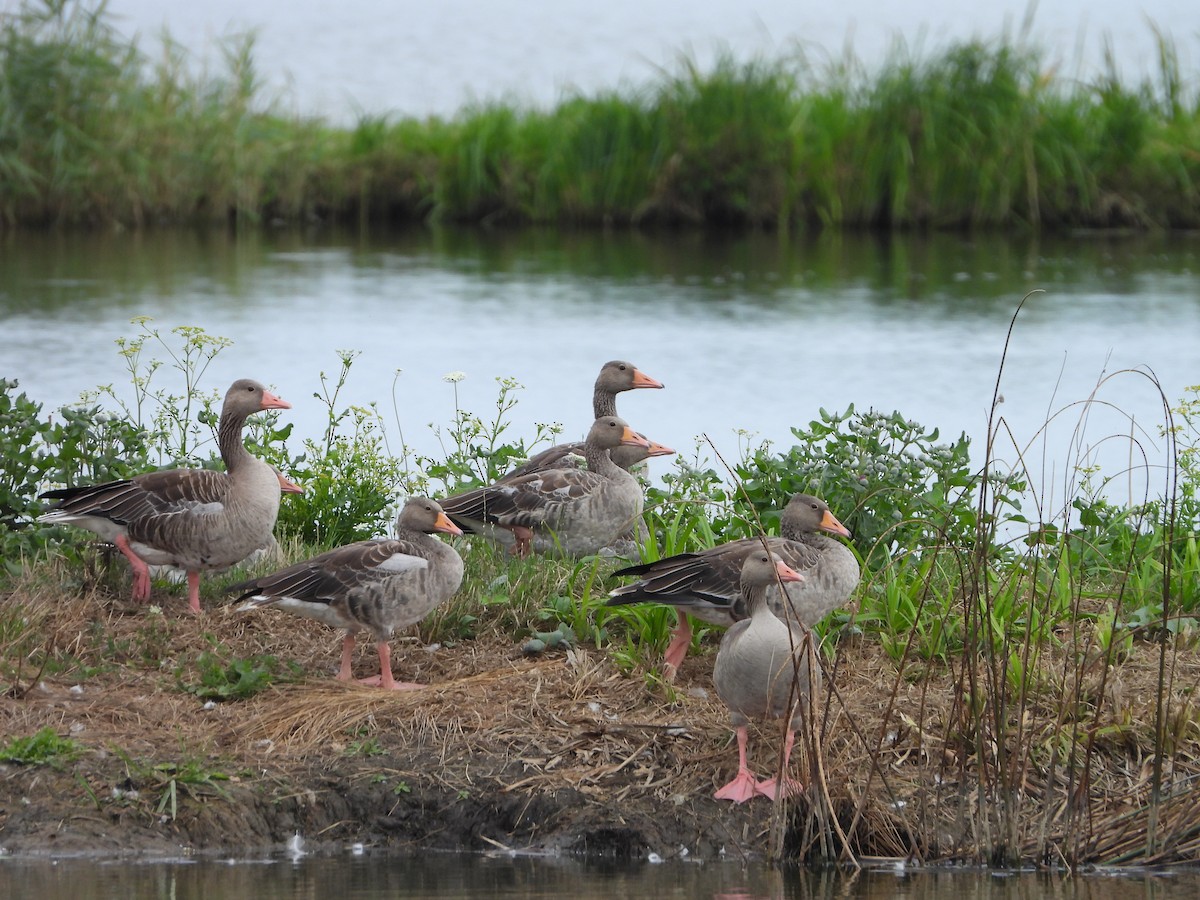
{"x":564,"y":751}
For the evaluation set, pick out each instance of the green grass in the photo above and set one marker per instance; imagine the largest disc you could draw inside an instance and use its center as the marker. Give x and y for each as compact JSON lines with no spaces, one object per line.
{"x":45,"y":748}
{"x":977,"y":134}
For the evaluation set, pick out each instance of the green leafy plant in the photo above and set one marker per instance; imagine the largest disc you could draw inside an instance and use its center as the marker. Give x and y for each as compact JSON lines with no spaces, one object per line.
{"x":364,"y":744}
{"x":474,"y":451}
{"x":177,"y":425}
{"x":351,"y":484}
{"x":24,"y":461}
{"x":193,"y":776}
{"x":216,"y":677}
{"x":44,"y":748}
{"x":886,"y":478}
{"x":692,"y":510}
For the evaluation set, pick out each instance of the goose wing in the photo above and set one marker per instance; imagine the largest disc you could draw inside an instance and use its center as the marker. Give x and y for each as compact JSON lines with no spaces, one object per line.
{"x":335,"y":573}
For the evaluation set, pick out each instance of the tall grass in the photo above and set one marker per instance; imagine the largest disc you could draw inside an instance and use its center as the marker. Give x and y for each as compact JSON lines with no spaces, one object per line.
{"x":1057,"y":745}
{"x":978,"y":134}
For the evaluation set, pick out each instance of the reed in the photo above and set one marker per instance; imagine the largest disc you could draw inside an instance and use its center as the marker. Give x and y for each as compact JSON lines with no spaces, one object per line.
{"x":979,"y":134}
{"x":1022,"y":762}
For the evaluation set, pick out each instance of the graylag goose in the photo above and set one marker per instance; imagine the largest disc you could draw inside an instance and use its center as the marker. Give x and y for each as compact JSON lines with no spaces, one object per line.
{"x":615,"y":376}
{"x":707,"y":584}
{"x":376,"y":586}
{"x":762,"y":671}
{"x":571,"y":510}
{"x":267,"y":550}
{"x":627,"y":457}
{"x":192,"y":519}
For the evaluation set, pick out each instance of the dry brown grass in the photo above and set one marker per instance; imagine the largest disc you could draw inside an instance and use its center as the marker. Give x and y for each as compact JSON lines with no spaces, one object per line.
{"x":894,"y":764}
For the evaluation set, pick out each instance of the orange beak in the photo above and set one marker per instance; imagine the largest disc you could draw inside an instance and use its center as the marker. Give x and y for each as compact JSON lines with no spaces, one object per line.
{"x":830,"y":523}
{"x":288,"y":487}
{"x":657,"y":449}
{"x":642,"y":380}
{"x":444,"y":524}
{"x":786,"y":573}
{"x":633,"y":439}
{"x":271,"y":401}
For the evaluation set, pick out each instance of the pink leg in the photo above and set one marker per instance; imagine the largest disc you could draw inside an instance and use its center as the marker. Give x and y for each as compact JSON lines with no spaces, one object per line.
{"x":791,"y":787}
{"x":524,"y":536}
{"x":141,"y":571}
{"x":384,"y":679}
{"x":681,"y":639}
{"x":194,"y":592}
{"x":344,"y":674}
{"x":743,"y":785}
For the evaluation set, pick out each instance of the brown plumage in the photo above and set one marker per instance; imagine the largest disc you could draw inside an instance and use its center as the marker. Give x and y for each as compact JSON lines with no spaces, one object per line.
{"x":376,"y":586}
{"x":615,"y":376}
{"x":763,"y":670}
{"x":707,"y":584}
{"x":192,"y":519}
{"x":568,"y":510}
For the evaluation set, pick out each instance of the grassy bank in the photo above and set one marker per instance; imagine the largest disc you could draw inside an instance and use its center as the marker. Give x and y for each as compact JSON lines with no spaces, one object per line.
{"x":980,"y":134}
{"x":1015,"y":683}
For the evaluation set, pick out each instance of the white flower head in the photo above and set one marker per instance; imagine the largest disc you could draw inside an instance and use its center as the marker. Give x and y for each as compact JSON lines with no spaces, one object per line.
{"x":454,"y":377}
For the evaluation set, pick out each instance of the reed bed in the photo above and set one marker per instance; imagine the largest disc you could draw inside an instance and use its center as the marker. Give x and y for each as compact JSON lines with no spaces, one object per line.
{"x":979,"y":134}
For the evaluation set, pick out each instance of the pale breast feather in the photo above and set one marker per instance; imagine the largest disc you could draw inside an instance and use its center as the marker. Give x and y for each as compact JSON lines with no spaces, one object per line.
{"x":402,"y":562}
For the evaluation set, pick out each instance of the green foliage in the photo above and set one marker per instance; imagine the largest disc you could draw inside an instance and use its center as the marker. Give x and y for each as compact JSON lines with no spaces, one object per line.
{"x":473,"y":450}
{"x":1185,"y":433}
{"x":350,"y":482}
{"x":24,"y":462}
{"x":911,"y":605}
{"x":884,"y":476}
{"x":45,"y":748}
{"x":81,"y":443}
{"x":174,"y":425}
{"x":978,"y":134}
{"x":213,"y":675}
{"x":92,"y":132}
{"x":364,"y":744}
{"x":191,"y":775}
{"x":92,"y":445}
{"x":731,"y":134}
{"x":692,"y":510}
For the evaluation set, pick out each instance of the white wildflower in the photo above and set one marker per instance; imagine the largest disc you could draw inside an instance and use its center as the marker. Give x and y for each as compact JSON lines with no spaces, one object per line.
{"x":454,"y":377}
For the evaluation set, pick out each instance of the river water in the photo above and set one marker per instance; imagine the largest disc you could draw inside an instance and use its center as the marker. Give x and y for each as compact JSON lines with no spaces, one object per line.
{"x":476,"y":877}
{"x":751,"y":333}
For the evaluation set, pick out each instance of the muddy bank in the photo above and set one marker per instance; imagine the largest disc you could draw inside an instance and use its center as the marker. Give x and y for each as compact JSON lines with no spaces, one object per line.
{"x":554,"y":754}
{"x":336,"y":806}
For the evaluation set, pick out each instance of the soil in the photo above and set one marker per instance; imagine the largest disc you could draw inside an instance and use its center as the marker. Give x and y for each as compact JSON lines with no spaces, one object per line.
{"x":560,"y":753}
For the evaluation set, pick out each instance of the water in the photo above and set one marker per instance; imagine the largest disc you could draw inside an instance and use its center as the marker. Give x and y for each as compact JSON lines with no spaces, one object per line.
{"x":417,"y":58}
{"x":470,"y":877}
{"x":751,"y":333}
